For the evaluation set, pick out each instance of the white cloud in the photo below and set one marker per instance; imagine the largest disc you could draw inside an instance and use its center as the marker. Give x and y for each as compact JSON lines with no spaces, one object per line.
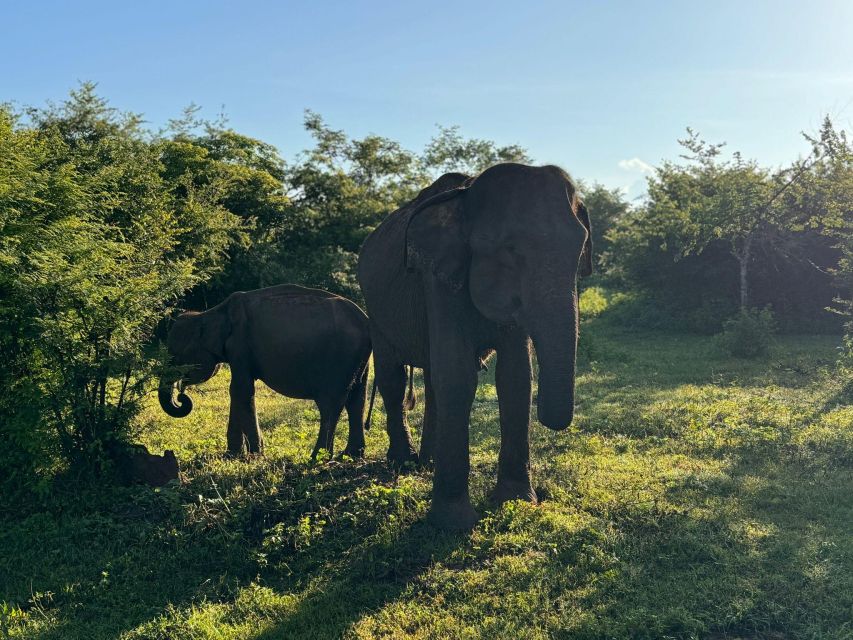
{"x":636,"y":165}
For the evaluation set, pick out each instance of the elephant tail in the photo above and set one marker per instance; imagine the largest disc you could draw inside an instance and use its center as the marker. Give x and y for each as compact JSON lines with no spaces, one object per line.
{"x":372,"y":399}
{"x":411,"y":398}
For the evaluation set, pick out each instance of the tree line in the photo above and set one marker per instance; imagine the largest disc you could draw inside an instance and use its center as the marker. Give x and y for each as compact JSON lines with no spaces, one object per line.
{"x":108,"y":228}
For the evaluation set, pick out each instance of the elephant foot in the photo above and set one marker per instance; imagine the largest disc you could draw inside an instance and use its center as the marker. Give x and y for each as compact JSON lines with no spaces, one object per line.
{"x":425,"y":458}
{"x":402,"y":457}
{"x":322,"y":453}
{"x":507,"y":490}
{"x":356,"y":453}
{"x":453,"y":515}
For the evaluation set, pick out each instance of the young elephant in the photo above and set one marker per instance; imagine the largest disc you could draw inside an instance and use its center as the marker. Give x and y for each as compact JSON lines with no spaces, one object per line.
{"x":302,"y":343}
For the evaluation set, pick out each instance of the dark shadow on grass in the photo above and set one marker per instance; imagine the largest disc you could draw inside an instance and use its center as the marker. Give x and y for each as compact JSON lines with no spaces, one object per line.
{"x":363,"y":580}
{"x":122,"y":556}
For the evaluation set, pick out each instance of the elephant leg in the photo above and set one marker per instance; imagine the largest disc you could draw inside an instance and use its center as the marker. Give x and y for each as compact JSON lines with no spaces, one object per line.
{"x":235,"y":438}
{"x":330,"y":413}
{"x":454,"y":391}
{"x":391,"y":380}
{"x":242,"y":418}
{"x":428,"y":431}
{"x":513,"y":376}
{"x":453,"y":377}
{"x":355,"y":415}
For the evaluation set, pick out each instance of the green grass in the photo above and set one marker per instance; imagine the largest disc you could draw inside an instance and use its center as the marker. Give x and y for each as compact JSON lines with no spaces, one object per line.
{"x":696,"y":496}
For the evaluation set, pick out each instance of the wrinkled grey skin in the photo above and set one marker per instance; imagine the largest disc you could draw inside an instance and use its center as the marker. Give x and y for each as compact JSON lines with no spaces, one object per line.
{"x":302,"y":343}
{"x":471,"y":265}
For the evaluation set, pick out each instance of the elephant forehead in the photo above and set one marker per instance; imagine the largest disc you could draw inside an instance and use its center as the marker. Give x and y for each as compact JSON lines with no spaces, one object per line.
{"x":182,"y":332}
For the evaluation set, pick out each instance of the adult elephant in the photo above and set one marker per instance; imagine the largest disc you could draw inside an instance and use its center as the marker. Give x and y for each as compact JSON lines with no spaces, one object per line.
{"x":303,"y":343}
{"x":470,"y":265}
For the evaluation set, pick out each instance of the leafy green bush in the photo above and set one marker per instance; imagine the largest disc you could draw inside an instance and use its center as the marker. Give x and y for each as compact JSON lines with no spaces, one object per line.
{"x":638,"y":311}
{"x":97,"y":246}
{"x":749,"y":334}
{"x":709,"y":317}
{"x":729,"y":229}
{"x":592,"y":302}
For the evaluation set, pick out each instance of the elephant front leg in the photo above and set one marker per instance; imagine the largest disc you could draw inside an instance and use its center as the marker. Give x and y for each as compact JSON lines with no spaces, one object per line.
{"x":454,"y":390}
{"x":242,"y":418}
{"x":513,"y":376}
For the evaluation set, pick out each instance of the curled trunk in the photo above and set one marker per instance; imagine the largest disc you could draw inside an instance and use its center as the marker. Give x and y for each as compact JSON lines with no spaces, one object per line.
{"x":165,"y":394}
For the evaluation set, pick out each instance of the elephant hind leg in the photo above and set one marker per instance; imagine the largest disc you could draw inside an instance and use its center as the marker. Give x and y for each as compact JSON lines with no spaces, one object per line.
{"x":355,"y":414}
{"x":428,"y":430}
{"x":391,"y":380}
{"x":330,"y":413}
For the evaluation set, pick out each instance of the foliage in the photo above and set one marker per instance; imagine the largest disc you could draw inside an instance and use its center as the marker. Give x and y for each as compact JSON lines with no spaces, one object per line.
{"x":305,"y":222}
{"x":340,"y":189}
{"x":827,"y":190}
{"x":749,"y":333}
{"x":592,"y":302}
{"x":608,"y":209}
{"x":730,"y":231}
{"x":106,"y":228}
{"x":95,"y":247}
{"x":696,"y":496}
{"x":708,"y":318}
{"x":449,"y":151}
{"x":242,"y":177}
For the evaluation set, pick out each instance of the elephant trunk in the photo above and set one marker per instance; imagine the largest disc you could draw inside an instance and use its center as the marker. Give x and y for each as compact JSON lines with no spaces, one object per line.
{"x":165,"y":393}
{"x":554,"y":332}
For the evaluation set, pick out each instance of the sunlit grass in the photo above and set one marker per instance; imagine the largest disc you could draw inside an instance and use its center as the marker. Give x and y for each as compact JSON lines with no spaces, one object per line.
{"x":696,"y":495}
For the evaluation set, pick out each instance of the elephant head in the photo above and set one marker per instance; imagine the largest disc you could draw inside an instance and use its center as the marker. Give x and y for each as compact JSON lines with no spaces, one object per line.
{"x":196,"y":344}
{"x":516,"y":237}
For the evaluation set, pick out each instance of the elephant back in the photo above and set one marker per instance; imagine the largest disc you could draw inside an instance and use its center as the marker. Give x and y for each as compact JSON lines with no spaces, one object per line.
{"x":393,"y":295}
{"x":391,"y":232}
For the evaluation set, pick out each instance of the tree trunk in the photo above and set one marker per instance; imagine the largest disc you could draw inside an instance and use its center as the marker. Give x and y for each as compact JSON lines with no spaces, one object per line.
{"x":743,"y":257}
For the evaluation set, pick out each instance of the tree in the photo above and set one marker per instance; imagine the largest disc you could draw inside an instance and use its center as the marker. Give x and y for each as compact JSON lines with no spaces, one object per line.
{"x":243,"y":177}
{"x":607,"y":208}
{"x":726,"y":200}
{"x":343,"y":187}
{"x":449,"y":151}
{"x":719,"y":232}
{"x":822,"y":201}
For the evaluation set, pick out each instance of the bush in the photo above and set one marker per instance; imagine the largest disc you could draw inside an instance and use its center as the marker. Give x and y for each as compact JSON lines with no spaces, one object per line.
{"x":749,"y":334}
{"x":592,"y":302}
{"x":642,"y":312}
{"x":708,"y":318}
{"x":96,"y":246}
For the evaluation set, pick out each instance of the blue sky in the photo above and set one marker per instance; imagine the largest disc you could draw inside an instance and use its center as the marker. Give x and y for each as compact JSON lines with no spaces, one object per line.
{"x":602,"y":88}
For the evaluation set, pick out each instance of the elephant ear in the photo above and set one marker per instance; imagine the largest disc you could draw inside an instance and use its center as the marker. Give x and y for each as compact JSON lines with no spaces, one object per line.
{"x":216,"y":328}
{"x":436,"y":242}
{"x":586,"y":254}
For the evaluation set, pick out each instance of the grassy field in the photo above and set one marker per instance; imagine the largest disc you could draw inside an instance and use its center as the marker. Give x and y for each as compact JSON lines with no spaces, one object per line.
{"x":696,"y":496}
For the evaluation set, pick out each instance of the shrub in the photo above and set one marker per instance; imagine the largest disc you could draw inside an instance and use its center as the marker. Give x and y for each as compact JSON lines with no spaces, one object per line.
{"x":94,"y":251}
{"x":592,"y":303}
{"x":639,"y":312}
{"x":709,"y":317}
{"x":748,"y":334}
